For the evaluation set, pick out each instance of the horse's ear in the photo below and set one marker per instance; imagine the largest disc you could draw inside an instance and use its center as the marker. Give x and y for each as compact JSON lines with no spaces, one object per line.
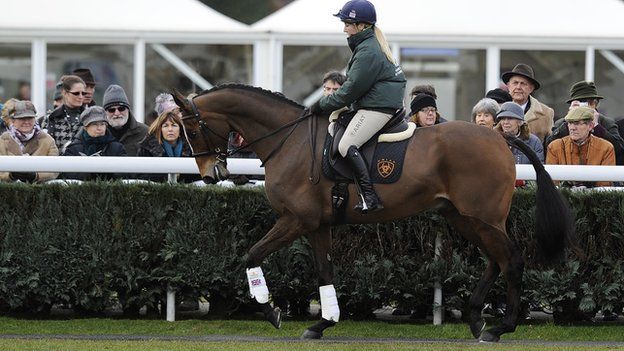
{"x":179,"y":99}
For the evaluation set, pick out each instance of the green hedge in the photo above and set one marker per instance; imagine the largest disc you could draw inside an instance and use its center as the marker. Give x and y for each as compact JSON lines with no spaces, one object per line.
{"x":97,"y":244}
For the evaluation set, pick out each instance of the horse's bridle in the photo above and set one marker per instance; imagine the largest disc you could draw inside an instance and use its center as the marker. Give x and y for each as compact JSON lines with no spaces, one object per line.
{"x":205,"y":130}
{"x":221,"y":155}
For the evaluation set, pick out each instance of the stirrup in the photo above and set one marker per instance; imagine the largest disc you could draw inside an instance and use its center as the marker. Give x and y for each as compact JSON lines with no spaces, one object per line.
{"x":365,"y":208}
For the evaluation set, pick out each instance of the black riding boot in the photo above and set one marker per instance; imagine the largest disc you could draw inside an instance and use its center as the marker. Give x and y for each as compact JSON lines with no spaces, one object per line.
{"x":360,"y":170}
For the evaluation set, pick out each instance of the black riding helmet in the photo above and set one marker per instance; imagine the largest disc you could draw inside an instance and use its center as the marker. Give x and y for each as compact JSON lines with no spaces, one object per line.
{"x":358,"y":11}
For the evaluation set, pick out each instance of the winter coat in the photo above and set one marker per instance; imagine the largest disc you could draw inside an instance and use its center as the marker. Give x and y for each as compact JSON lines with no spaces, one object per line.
{"x":595,"y":151}
{"x":373,"y":82}
{"x":40,"y":145}
{"x":606,"y":129}
{"x":540,"y":118}
{"x":150,"y":147}
{"x":77,"y":148}
{"x":130,"y":135}
{"x":61,"y":128}
{"x":530,"y":139}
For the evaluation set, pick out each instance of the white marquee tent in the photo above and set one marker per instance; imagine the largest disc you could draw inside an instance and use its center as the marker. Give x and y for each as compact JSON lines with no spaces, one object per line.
{"x":482,"y":21}
{"x":492,"y":25}
{"x":136,"y":22}
{"x":115,"y":19}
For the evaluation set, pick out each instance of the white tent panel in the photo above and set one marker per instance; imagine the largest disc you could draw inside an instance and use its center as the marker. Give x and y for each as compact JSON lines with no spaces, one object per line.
{"x":114,"y":17}
{"x":457,"y":18}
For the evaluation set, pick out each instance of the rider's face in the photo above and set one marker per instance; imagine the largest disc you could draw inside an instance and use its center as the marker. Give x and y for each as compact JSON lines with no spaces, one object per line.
{"x":350,"y":28}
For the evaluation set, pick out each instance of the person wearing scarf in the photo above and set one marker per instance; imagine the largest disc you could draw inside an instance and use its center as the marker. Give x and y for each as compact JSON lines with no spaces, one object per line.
{"x":24,"y":137}
{"x":94,"y":139}
{"x":164,"y":138}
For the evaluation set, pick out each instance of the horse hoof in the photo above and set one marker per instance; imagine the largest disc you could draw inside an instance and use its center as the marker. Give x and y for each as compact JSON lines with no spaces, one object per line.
{"x":275,"y":317}
{"x":477,"y":328}
{"x":486,"y":336}
{"x":311,"y":334}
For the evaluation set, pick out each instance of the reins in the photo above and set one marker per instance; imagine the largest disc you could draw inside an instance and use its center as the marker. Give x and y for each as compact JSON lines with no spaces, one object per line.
{"x":222,"y":155}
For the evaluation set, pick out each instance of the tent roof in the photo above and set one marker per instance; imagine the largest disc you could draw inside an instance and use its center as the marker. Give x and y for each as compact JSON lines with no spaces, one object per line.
{"x":461,"y":20}
{"x":116,"y":18}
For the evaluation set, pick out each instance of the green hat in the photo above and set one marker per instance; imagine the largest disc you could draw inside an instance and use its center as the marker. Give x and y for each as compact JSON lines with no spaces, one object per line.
{"x":580,"y":114}
{"x":583,"y":90}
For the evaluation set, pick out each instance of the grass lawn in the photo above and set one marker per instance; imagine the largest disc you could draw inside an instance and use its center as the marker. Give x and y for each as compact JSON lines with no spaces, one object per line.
{"x":338,"y":337}
{"x":76,"y":345}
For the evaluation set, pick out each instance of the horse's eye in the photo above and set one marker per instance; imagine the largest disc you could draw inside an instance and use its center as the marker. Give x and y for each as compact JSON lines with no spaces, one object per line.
{"x":192,"y":135}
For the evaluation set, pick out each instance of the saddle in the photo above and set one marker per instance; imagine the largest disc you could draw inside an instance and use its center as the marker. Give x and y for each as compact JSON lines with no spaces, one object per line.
{"x":384,"y":152}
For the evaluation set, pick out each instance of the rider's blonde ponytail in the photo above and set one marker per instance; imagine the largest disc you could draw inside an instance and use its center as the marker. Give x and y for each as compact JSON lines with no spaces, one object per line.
{"x":381,"y":38}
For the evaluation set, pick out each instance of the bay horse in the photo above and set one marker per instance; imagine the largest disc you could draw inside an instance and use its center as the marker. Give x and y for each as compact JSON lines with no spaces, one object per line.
{"x":464,"y":171}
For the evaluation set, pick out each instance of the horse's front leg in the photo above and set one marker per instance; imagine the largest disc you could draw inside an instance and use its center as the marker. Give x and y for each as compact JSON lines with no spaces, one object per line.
{"x":320,"y":240}
{"x":283,"y":233}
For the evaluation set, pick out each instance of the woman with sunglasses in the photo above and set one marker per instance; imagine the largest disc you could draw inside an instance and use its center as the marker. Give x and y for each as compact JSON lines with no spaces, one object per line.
{"x":64,"y":122}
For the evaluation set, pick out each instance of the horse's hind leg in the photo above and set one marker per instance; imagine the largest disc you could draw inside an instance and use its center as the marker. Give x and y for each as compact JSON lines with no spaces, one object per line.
{"x":477,"y":324}
{"x":512,"y":270}
{"x":504,"y":257}
{"x":320,"y":240}
{"x":283,"y":233}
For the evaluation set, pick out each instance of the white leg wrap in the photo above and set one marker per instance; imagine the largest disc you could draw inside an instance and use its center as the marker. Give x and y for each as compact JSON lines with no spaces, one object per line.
{"x":329,"y":303}
{"x":257,"y":285}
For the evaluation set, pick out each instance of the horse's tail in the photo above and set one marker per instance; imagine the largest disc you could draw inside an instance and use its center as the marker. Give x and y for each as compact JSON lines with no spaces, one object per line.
{"x":554,"y":223}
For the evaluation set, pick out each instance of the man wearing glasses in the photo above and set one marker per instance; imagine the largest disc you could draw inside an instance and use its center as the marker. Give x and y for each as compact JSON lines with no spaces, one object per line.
{"x":124,"y":127}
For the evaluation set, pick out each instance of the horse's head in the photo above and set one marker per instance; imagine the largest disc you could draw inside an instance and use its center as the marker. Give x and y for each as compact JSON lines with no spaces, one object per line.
{"x":207,"y":134}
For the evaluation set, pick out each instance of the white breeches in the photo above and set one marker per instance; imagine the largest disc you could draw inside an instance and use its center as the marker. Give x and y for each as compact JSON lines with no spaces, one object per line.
{"x":362,"y":127}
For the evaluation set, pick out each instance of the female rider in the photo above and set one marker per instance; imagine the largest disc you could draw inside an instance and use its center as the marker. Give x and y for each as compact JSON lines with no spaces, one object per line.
{"x":374,"y":88}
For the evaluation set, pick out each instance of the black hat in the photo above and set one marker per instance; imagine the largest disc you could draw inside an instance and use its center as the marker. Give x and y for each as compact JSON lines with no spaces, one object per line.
{"x":499,"y":95}
{"x":583,"y":90}
{"x":85,"y":74}
{"x":524,"y":70}
{"x":421,"y":101}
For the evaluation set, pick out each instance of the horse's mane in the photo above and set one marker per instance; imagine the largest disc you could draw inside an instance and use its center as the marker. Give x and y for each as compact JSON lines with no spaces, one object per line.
{"x":271,"y":94}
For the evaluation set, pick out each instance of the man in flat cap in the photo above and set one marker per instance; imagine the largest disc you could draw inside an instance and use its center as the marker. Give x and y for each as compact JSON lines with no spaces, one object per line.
{"x":521,"y":83}
{"x":580,"y":147}
{"x":584,"y":93}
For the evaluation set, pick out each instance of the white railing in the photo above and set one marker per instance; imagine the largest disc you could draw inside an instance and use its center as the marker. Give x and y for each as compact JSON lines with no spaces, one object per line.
{"x":119,"y":164}
{"x":174,"y":165}
{"x":244,"y":166}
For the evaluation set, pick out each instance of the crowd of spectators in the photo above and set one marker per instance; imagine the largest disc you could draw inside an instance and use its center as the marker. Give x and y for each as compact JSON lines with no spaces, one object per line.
{"x":584,"y":136}
{"x":79,"y":126}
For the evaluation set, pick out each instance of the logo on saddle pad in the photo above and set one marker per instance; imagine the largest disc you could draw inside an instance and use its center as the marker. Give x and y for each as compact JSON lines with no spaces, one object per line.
{"x":385,"y":167}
